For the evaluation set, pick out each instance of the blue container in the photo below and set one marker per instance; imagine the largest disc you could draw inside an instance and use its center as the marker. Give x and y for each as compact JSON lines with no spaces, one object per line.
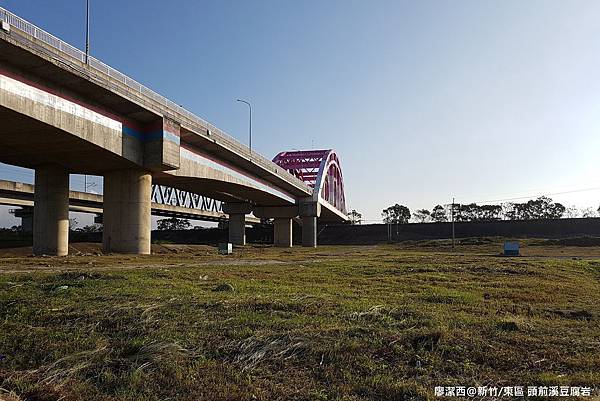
{"x":511,"y":248}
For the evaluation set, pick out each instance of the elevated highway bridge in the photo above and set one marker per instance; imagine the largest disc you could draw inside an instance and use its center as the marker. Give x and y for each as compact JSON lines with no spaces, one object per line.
{"x":165,"y":202}
{"x":65,"y":113}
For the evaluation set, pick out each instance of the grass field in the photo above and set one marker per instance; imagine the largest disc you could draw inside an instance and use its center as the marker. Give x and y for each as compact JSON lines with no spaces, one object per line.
{"x":386,"y":322}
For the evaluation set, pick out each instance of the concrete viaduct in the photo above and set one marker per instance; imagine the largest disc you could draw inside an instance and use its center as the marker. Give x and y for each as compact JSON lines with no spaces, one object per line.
{"x":165,"y":202}
{"x":64,"y":113}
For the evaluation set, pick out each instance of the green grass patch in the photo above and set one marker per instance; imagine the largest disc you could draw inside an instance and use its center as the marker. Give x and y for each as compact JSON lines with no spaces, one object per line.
{"x":346,"y":323}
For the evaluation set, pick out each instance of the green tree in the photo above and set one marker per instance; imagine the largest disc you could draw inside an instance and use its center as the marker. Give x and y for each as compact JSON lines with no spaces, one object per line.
{"x":396,"y":214}
{"x":461,"y":212}
{"x":355,"y":217}
{"x":73,"y":223}
{"x":588,"y":212}
{"x":438,"y":214}
{"x":93,"y":228}
{"x":486,"y":212}
{"x":475,"y":212}
{"x":422,"y":215}
{"x":535,"y":209}
{"x":571,"y":212}
{"x":173,"y":223}
{"x":466,"y":212}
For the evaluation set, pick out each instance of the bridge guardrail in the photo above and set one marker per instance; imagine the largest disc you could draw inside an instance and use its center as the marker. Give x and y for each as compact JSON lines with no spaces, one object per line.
{"x":98,"y":65}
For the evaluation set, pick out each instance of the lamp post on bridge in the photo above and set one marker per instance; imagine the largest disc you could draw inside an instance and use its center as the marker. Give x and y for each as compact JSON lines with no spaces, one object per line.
{"x":87,"y":31}
{"x":250,"y":125}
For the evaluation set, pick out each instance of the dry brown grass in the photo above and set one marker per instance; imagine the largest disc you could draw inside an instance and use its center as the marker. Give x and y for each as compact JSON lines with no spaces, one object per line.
{"x":341,"y":323}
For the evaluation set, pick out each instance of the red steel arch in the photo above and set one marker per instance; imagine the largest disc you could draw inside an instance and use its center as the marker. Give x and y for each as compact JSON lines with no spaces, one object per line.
{"x":321,"y":170}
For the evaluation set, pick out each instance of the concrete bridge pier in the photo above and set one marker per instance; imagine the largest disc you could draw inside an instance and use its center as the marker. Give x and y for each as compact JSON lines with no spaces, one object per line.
{"x":282,"y":232}
{"x":51,"y":211}
{"x":127,"y":207}
{"x":25,"y":213}
{"x":237,"y":228}
{"x":237,"y":221}
{"x":282,"y":225}
{"x":309,"y":212}
{"x":309,"y":231}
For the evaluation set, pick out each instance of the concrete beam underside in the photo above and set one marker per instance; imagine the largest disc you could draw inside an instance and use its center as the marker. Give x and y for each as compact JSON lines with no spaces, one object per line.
{"x":127,"y":208}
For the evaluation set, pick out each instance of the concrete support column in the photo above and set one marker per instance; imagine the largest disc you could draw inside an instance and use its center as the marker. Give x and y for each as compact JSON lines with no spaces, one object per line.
{"x":310,"y":210}
{"x":26,"y":216}
{"x":309,"y":231}
{"x":282,"y":223}
{"x":126,"y":217}
{"x":282,"y":232}
{"x":51,"y":211}
{"x":237,"y":228}
{"x":237,"y":221}
{"x":27,"y":224}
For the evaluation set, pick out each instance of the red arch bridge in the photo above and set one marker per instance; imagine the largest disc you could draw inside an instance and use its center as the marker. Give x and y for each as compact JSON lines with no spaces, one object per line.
{"x":319,"y":169}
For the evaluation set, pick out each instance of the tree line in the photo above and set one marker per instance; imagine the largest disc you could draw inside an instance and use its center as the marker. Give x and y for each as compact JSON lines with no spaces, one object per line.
{"x":535,"y":209}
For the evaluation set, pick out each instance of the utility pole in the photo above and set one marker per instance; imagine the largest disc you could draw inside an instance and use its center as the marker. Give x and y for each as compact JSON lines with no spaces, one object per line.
{"x":87,"y":31}
{"x":87,"y":186}
{"x":452,"y":214}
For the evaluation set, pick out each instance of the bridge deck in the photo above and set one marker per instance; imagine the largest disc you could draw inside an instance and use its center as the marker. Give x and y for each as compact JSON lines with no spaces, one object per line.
{"x":31,"y":49}
{"x":20,"y":194}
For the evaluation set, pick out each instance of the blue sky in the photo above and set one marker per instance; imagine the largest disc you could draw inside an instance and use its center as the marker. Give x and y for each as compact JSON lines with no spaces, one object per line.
{"x":423,"y":100}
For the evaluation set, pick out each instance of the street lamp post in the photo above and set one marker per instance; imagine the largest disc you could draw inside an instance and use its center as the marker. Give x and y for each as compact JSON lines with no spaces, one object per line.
{"x":87,"y":31}
{"x":250,"y":126}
